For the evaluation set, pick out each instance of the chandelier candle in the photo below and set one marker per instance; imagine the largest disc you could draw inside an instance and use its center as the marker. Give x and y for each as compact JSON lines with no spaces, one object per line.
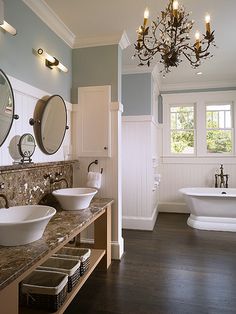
{"x":208,"y":27}
{"x":175,"y":8}
{"x":146,"y":16}
{"x":169,"y":36}
{"x":197,"y":37}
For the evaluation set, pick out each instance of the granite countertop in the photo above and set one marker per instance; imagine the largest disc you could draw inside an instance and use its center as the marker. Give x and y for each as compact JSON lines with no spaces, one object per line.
{"x":16,"y":260}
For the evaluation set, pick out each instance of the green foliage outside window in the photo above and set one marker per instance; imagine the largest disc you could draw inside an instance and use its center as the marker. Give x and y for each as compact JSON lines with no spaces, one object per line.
{"x":218,"y":141}
{"x":182,"y":142}
{"x":218,"y":132}
{"x":182,"y":134}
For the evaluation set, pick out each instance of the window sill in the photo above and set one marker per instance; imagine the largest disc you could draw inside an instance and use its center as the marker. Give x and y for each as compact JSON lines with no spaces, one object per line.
{"x":215,"y":159}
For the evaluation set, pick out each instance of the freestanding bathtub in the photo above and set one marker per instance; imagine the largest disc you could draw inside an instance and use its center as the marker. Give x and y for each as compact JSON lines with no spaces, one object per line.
{"x":211,"y":208}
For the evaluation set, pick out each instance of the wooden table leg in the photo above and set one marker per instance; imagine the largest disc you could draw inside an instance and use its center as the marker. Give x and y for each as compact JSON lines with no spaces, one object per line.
{"x":102,"y":237}
{"x":9,"y":301}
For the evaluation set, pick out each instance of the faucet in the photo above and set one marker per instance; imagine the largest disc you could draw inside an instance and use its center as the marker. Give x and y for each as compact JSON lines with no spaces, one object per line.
{"x":56,"y":179}
{"x":223,"y":178}
{"x":5,"y":199}
{"x":4,"y":196}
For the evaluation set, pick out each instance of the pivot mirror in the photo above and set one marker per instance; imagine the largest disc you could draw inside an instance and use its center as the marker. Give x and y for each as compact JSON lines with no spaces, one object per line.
{"x":6,"y":107}
{"x":50,"y":123}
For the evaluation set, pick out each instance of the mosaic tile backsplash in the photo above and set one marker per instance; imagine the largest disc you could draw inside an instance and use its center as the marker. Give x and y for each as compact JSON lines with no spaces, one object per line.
{"x":26,"y":184}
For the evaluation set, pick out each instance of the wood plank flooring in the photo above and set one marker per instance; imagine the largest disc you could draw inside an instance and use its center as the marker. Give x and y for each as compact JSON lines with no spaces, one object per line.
{"x":173,"y":270}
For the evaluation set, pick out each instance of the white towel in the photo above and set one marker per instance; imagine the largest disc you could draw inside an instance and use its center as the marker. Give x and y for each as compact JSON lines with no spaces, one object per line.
{"x":94,"y":180}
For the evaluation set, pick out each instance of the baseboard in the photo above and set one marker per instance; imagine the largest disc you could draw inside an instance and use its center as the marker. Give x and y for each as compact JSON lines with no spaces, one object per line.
{"x":173,"y":208}
{"x":117,"y":249}
{"x":140,"y":223}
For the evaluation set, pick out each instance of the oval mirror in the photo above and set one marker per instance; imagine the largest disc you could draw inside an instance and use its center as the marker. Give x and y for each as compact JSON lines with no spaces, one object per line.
{"x":26,"y":145}
{"x":50,"y":124}
{"x":6,"y":107}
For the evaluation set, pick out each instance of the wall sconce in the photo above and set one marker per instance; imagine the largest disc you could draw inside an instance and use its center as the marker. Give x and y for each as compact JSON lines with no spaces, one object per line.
{"x":50,"y":61}
{"x":3,"y":24}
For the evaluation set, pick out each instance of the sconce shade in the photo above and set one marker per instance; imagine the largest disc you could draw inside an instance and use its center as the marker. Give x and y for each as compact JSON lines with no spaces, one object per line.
{"x":3,"y":24}
{"x":50,"y":61}
{"x":62,"y":67}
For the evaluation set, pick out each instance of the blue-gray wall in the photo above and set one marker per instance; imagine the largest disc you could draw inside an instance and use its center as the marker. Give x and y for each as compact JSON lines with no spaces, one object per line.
{"x":17,"y":58}
{"x":95,"y":66}
{"x":137,"y":94}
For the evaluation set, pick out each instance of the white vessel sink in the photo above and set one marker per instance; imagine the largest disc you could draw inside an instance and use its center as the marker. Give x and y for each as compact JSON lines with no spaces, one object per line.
{"x":74,"y":198}
{"x":23,"y":224}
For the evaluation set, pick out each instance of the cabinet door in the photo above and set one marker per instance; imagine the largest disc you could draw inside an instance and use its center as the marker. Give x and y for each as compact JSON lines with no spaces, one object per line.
{"x":94,"y":119}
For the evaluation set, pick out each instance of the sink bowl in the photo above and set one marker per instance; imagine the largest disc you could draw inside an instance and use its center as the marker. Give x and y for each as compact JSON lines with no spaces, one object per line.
{"x":23,"y":224}
{"x":74,"y":198}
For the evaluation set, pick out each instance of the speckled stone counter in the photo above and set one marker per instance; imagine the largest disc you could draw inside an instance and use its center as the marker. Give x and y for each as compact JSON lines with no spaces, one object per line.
{"x":26,"y":184}
{"x":14,"y":261}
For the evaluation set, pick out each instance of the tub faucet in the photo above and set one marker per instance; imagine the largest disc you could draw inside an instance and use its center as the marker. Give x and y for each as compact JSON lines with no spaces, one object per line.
{"x":5,"y":199}
{"x":223,"y":179}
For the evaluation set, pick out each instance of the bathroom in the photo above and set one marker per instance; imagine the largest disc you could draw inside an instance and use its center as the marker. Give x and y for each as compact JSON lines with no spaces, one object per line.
{"x":139,"y":171}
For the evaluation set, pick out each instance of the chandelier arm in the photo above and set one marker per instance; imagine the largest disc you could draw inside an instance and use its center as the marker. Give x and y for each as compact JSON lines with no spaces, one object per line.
{"x":189,"y":59}
{"x":184,"y":46}
{"x":207,"y":47}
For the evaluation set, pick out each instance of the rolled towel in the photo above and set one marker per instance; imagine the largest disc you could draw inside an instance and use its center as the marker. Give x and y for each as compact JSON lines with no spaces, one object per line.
{"x":94,"y":180}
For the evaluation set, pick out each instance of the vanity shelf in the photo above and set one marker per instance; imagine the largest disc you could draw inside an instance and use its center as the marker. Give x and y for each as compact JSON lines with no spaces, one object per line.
{"x":18,"y":262}
{"x":96,"y":256}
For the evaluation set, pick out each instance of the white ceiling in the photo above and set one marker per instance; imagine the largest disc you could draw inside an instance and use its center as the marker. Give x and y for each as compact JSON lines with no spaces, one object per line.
{"x":104,"y":20}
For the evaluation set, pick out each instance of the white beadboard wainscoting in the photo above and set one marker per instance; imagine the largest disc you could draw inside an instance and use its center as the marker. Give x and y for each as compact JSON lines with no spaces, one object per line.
{"x":139,"y":165}
{"x":26,"y":98}
{"x":111,"y":178}
{"x":176,"y":175}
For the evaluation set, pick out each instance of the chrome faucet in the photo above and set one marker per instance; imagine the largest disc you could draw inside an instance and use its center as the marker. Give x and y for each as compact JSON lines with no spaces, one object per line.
{"x":223,"y":179}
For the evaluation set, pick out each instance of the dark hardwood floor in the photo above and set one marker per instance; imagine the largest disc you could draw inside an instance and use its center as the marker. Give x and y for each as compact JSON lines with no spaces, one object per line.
{"x":173,"y":270}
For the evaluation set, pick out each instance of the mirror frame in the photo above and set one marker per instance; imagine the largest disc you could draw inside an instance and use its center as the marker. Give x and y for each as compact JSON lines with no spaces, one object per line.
{"x":20,"y":146}
{"x":38,"y":117}
{"x":13,"y":106}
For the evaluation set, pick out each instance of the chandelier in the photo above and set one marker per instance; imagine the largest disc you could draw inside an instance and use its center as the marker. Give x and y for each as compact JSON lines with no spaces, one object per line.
{"x":169,"y":35}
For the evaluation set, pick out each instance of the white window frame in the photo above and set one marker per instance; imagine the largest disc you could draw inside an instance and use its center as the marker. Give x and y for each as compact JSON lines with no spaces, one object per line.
{"x":194,"y":129}
{"x":230,"y":129}
{"x":200,"y":100}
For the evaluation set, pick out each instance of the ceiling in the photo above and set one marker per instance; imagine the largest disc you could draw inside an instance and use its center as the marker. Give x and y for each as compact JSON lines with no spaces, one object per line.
{"x":105,"y":20}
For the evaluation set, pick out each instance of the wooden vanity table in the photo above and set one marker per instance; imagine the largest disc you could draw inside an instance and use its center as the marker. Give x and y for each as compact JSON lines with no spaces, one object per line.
{"x":19,"y":261}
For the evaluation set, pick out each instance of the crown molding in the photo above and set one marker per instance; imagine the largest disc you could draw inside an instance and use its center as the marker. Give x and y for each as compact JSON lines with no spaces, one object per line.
{"x":134,"y":69}
{"x":197,"y":85}
{"x":120,"y":39}
{"x":124,"y":41}
{"x":48,"y":16}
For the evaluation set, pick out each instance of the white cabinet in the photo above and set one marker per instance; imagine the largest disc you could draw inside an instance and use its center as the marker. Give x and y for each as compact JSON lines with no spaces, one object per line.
{"x":92,"y":122}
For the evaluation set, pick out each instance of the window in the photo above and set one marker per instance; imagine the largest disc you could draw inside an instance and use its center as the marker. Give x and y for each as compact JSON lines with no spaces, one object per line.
{"x":199,"y":125}
{"x":182,"y":129}
{"x":219,"y":128}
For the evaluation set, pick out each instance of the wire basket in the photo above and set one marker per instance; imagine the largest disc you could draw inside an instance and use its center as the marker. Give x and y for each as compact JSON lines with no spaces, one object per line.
{"x":82,"y":254}
{"x":71,"y":267}
{"x":44,"y":290}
